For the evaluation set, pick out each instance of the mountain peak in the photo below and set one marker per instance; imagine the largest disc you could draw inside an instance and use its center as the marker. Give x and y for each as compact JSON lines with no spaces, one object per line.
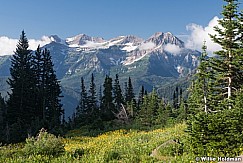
{"x":160,"y":38}
{"x":82,"y":39}
{"x":131,"y":39}
{"x":57,"y":39}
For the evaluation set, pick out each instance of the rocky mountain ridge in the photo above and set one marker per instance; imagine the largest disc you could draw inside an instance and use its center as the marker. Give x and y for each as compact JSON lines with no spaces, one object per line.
{"x":158,"y":60}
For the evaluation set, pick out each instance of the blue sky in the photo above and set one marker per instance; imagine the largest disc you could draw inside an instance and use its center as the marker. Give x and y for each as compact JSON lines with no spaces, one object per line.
{"x":190,"y":20}
{"x":103,"y":18}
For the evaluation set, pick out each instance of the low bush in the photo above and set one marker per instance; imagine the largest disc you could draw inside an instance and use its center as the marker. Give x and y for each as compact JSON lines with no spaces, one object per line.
{"x":44,"y":144}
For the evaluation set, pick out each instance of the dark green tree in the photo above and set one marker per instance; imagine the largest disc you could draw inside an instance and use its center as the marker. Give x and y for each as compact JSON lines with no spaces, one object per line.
{"x":129,"y":91}
{"x":38,"y":69}
{"x":140,"y":97}
{"x":229,"y":76}
{"x":51,"y":88}
{"x":108,"y":107}
{"x":2,"y":118}
{"x":21,"y":103}
{"x":93,"y":111}
{"x":176,"y":98}
{"x":149,"y":109}
{"x":130,"y":99}
{"x":82,"y":108}
{"x":201,"y":88}
{"x":118,"y":97}
{"x":162,"y":115}
{"x":215,"y":129}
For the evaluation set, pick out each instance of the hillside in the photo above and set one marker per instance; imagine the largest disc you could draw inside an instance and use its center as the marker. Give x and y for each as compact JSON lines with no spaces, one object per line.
{"x":115,"y":146}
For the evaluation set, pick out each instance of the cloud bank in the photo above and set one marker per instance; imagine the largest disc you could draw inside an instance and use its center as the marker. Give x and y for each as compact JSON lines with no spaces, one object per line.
{"x":8,"y":45}
{"x":147,"y":46}
{"x":172,"y":48}
{"x":199,"y":34}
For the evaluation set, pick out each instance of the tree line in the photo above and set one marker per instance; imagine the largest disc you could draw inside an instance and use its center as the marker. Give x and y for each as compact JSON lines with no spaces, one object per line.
{"x":111,"y":103}
{"x":34,"y":99}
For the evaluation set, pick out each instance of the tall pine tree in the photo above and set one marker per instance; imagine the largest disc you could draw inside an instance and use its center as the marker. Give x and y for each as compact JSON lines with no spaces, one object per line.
{"x":51,"y":88}
{"x":48,"y":106}
{"x":2,"y":118}
{"x":93,"y":111}
{"x":118,"y":97}
{"x":82,"y":108}
{"x":21,"y":104}
{"x":216,"y":129}
{"x":229,"y":75}
{"x":108,"y":107}
{"x":200,"y":88}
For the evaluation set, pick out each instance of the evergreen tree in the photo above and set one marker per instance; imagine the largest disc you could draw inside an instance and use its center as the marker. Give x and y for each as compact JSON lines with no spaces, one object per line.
{"x":21,"y":103}
{"x":201,"y":86}
{"x":161,"y":116}
{"x":143,"y":118}
{"x":149,"y":109}
{"x":108,"y":107}
{"x":2,"y":111}
{"x":92,"y":101}
{"x":176,"y":98}
{"x":2,"y":118}
{"x":118,"y":98}
{"x":100,"y":97}
{"x":216,"y":129}
{"x":37,"y":61}
{"x":51,"y":88}
{"x":129,"y":92}
{"x":130,"y":99}
{"x":140,"y":97}
{"x":229,"y":76}
{"x":153,"y":107}
{"x":82,"y":108}
{"x":182,"y":112}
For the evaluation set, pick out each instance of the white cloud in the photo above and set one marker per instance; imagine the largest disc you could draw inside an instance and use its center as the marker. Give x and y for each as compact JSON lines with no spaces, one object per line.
{"x":199,"y":34}
{"x":8,"y":45}
{"x":147,"y":46}
{"x":172,"y":48}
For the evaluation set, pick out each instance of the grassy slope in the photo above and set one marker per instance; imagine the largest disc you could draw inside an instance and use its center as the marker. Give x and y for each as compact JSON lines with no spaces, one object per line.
{"x":114,"y":146}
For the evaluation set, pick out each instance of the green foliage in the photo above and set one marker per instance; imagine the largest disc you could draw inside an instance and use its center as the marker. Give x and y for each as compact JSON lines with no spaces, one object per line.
{"x":217,"y":134}
{"x":44,"y":144}
{"x":171,"y":149}
{"x":21,"y":102}
{"x":215,"y":123}
{"x":111,"y":156}
{"x":129,"y":95}
{"x":34,"y":101}
{"x":107,"y":105}
{"x":118,"y":97}
{"x":227,"y":63}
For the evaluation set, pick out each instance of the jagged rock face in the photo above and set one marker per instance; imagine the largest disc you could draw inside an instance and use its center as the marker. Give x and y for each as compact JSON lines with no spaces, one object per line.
{"x":131,"y":39}
{"x":99,"y":55}
{"x":149,"y":62}
{"x":82,"y":39}
{"x":160,"y":38}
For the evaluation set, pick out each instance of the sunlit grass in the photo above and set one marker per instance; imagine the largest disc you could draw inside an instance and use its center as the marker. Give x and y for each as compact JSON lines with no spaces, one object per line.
{"x":113,"y":146}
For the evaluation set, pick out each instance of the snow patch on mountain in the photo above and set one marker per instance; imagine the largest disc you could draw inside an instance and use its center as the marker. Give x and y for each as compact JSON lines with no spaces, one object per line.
{"x":129,"y":47}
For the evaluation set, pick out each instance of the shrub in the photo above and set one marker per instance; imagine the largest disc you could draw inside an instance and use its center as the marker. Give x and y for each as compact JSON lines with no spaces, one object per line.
{"x":44,"y":144}
{"x":111,"y":155}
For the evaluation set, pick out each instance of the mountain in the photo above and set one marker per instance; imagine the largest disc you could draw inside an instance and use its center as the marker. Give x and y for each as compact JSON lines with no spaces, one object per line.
{"x":159,"y":60}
